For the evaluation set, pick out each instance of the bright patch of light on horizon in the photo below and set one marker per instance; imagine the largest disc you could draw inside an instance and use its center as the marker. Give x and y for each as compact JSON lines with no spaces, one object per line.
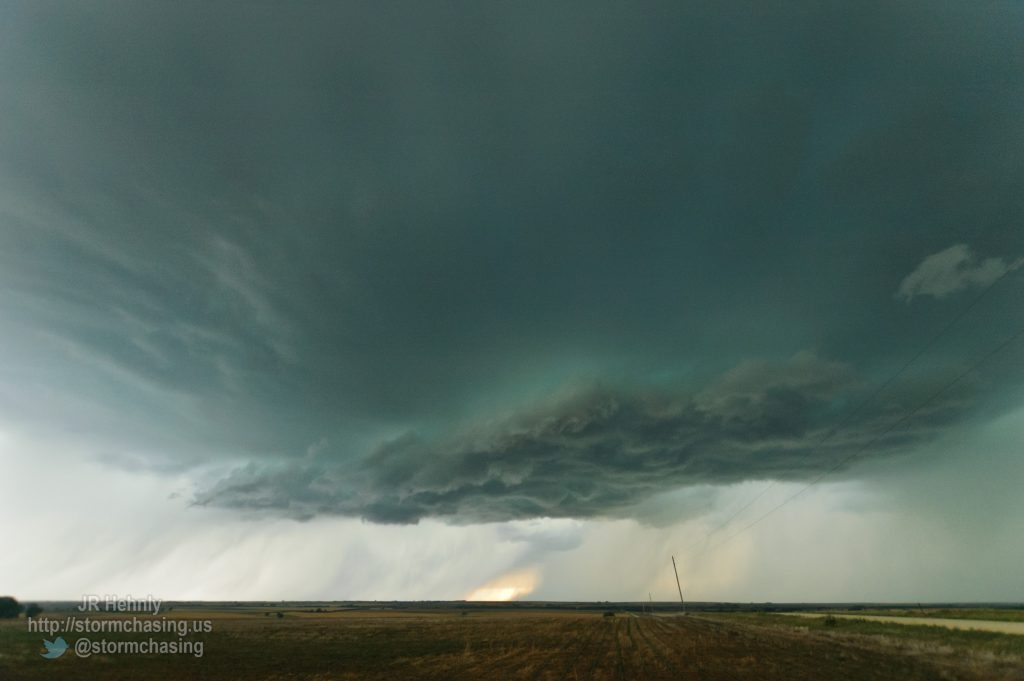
{"x":507,"y":587}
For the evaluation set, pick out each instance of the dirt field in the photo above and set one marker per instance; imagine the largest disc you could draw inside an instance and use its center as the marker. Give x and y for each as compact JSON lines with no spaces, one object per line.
{"x":530,"y":646}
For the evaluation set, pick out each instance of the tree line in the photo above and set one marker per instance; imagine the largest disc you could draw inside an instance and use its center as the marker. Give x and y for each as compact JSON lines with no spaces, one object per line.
{"x":11,"y":608}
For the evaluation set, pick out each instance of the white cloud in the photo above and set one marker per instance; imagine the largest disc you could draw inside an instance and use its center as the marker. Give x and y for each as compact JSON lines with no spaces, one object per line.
{"x":952,"y":270}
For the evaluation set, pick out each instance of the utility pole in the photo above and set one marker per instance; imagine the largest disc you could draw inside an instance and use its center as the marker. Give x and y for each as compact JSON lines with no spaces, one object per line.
{"x":677,"y":584}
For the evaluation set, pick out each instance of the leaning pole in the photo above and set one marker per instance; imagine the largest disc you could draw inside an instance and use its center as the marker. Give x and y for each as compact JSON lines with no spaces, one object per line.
{"x":677,"y":584}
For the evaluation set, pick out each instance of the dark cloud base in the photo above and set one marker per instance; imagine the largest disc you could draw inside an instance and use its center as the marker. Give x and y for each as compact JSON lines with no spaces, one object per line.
{"x":600,"y":452}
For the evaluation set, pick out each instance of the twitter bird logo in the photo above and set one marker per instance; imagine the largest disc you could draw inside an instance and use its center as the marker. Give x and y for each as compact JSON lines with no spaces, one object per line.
{"x":54,"y":649}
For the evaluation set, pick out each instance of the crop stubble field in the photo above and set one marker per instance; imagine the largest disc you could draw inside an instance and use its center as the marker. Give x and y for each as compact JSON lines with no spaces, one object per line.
{"x":532,"y":646}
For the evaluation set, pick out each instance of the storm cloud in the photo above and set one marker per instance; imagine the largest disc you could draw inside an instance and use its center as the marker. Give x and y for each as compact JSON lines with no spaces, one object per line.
{"x":601,"y":452}
{"x":406,"y":261}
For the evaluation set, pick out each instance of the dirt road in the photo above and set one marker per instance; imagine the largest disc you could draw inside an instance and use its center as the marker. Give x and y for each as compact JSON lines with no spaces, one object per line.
{"x":977,"y":625}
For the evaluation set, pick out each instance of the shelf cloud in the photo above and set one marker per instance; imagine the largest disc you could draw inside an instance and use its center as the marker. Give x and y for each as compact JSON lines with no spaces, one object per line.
{"x":599,"y":453}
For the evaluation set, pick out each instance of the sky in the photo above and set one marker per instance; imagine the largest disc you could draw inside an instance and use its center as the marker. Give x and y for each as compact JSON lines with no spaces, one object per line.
{"x":416,"y":300}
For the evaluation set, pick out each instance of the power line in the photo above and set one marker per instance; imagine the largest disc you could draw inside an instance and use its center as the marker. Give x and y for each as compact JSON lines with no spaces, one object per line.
{"x":906,"y":417}
{"x":865,"y":402}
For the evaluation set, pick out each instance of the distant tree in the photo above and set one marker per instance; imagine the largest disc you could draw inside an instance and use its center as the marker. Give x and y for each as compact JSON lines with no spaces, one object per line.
{"x":33,"y":610}
{"x":9,"y":607}
{"x":280,"y":615}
